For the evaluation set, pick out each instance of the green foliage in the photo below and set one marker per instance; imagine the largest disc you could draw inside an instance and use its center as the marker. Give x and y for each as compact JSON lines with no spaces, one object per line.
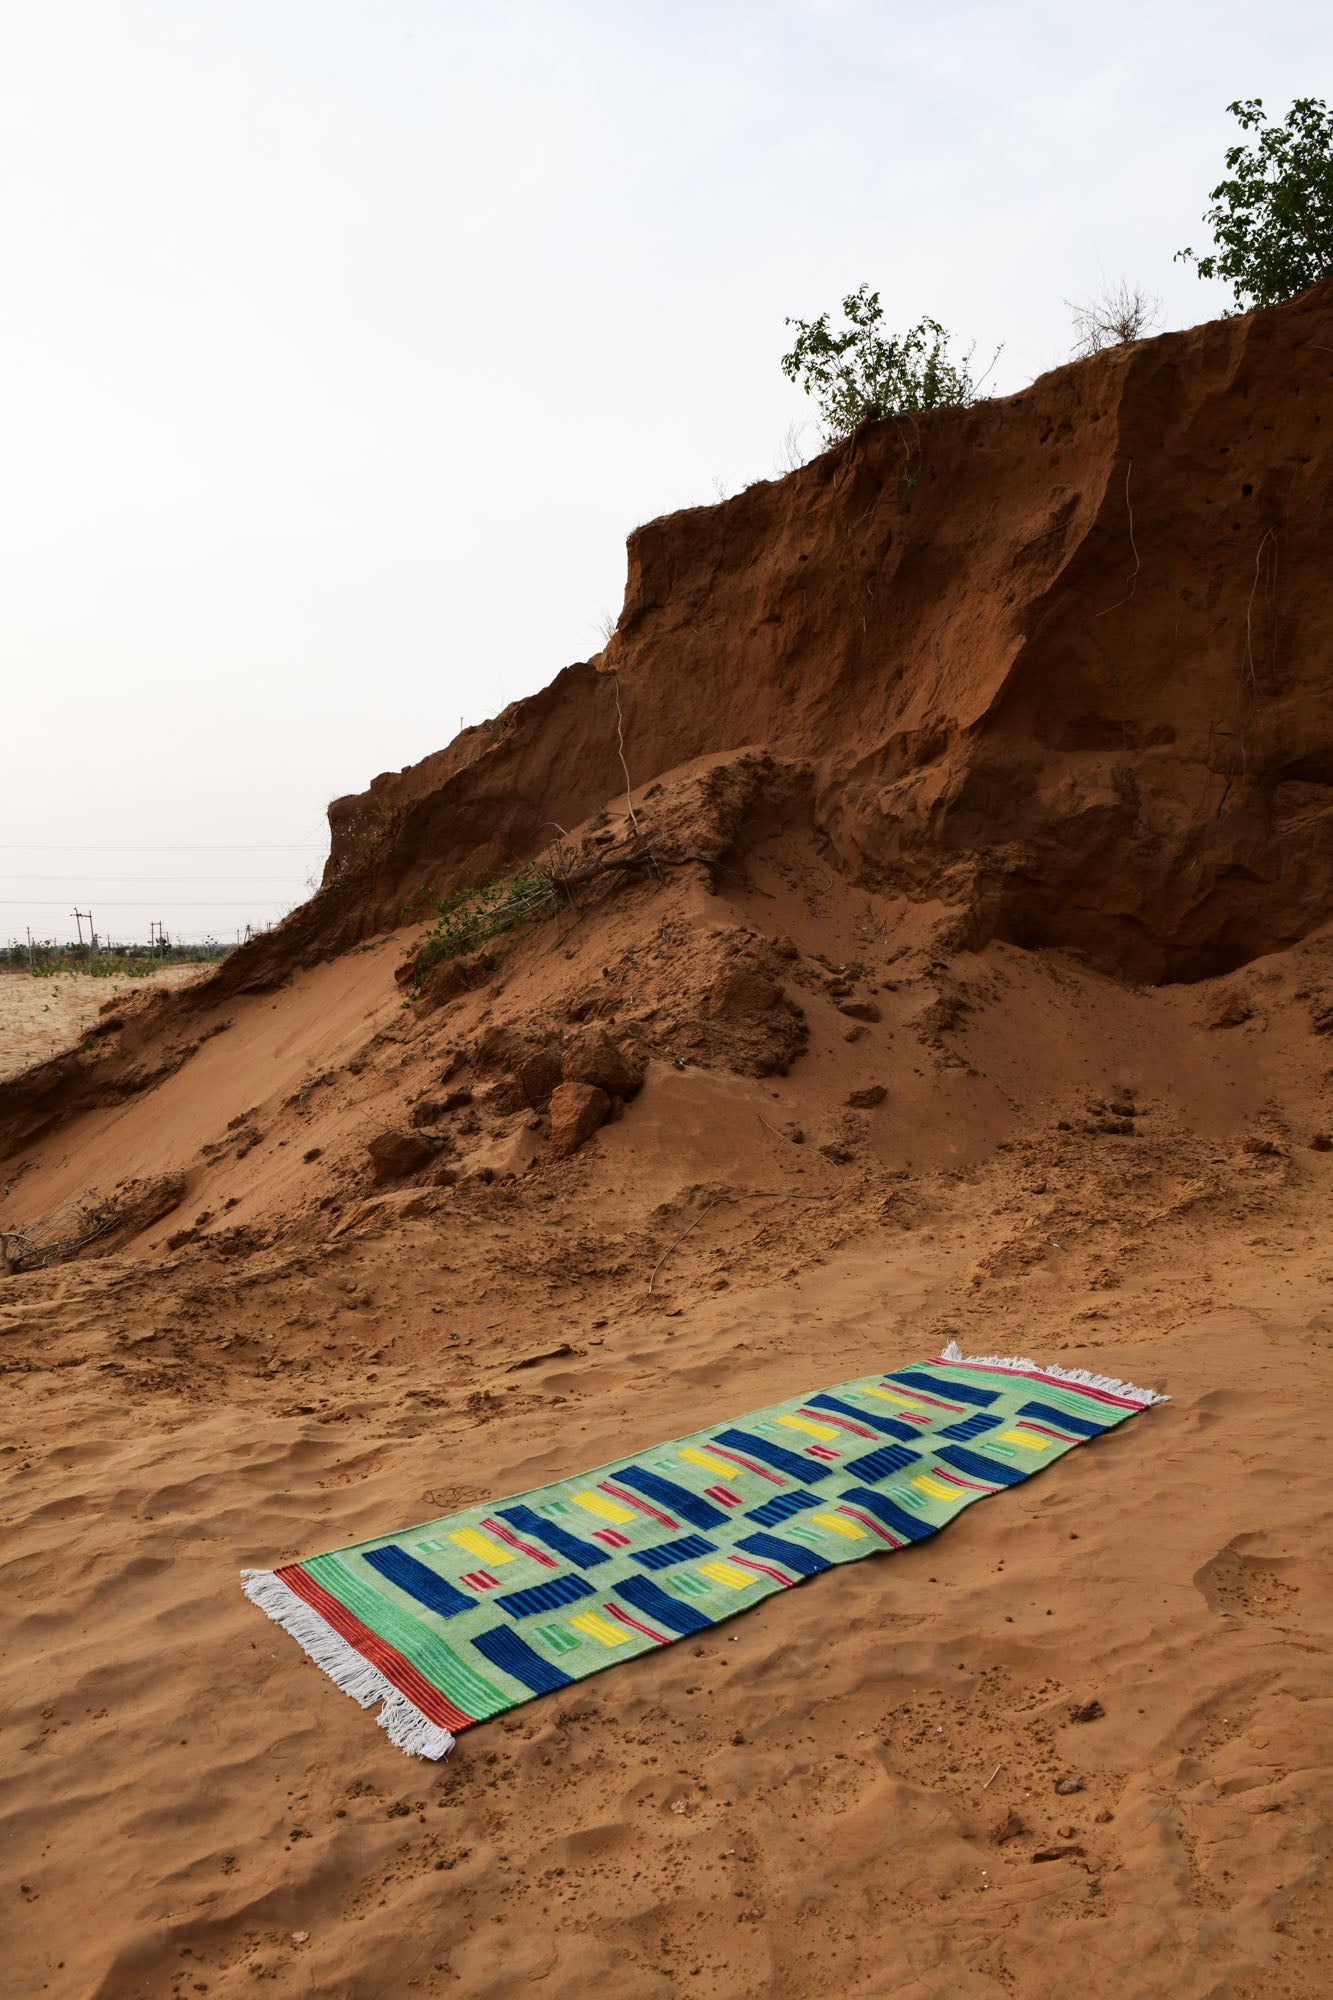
{"x":1272,"y":221}
{"x":466,"y":918}
{"x":860,"y":371}
{"x":45,"y":959}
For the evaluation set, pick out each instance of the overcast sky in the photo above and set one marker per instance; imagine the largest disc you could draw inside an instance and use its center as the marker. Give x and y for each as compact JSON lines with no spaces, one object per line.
{"x":343,"y":342}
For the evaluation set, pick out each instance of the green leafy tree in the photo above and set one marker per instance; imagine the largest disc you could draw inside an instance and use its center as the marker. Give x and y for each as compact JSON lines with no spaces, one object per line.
{"x":860,"y":371}
{"x":1272,"y":221}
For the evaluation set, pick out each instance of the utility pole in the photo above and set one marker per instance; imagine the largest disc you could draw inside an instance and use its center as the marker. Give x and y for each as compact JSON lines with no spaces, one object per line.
{"x":32,"y":965}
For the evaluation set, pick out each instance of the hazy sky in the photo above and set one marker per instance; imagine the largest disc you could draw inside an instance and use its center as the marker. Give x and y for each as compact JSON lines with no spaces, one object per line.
{"x":343,"y":341}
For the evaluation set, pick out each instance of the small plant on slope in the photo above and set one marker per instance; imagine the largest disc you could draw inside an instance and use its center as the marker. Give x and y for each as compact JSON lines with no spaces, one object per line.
{"x":1272,"y":221}
{"x":860,"y":371}
{"x":467,"y":917}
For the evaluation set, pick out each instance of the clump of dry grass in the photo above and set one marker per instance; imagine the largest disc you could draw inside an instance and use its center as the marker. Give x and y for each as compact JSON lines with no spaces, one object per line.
{"x":1118,"y":314}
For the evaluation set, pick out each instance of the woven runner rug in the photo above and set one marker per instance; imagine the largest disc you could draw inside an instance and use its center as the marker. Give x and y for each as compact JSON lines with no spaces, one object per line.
{"x":455,"y":1621}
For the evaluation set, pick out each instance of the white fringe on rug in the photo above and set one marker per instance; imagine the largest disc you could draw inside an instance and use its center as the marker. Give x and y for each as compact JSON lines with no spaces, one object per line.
{"x":400,"y":1719}
{"x":1080,"y":1377}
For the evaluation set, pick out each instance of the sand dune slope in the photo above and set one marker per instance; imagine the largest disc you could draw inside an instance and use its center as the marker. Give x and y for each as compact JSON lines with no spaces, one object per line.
{"x":958,"y":966}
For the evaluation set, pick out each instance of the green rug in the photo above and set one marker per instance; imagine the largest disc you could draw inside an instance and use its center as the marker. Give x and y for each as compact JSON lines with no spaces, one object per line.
{"x":455,"y":1621}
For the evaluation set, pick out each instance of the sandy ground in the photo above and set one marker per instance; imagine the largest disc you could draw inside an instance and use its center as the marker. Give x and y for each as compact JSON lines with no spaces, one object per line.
{"x":874,"y":1785}
{"x":41,"y":1017}
{"x":988,"y":995}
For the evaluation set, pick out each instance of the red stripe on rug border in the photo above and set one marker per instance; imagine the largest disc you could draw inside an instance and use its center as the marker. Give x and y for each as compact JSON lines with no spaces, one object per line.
{"x":1052,"y":1381}
{"x":408,"y":1680}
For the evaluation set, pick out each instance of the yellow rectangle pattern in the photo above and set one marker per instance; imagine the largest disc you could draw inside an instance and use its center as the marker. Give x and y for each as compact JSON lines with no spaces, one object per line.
{"x":693,"y":1457}
{"x":597,"y":1503}
{"x":600,"y":1628}
{"x":840,"y":1526}
{"x":822,"y":1431}
{"x":731,"y":1574}
{"x":935,"y":1487}
{"x":476,"y":1544}
{"x":890,"y":1396}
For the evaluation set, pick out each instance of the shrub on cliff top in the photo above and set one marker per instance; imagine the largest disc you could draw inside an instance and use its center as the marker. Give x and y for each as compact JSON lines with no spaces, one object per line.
{"x":861,"y":371}
{"x":1272,"y":221}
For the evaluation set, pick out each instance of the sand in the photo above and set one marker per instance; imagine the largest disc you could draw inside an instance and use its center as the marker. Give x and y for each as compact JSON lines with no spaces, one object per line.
{"x":977,"y":929}
{"x":867,"y":1786}
{"x":40,"y":1018}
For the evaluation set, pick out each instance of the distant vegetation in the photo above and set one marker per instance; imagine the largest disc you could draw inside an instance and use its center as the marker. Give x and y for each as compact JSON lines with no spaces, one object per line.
{"x":43,"y":957}
{"x":1272,"y":220}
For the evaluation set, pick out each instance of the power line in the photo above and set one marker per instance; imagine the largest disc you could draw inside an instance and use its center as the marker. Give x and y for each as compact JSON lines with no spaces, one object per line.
{"x":142,"y":902}
{"x":101,"y":847}
{"x":77,"y":875}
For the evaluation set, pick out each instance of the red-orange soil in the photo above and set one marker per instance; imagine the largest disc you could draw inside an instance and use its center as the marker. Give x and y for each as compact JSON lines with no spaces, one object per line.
{"x":1001,"y":801}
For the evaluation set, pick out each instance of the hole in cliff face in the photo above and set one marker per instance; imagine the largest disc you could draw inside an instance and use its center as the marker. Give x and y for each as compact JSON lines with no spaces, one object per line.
{"x":1233,"y":925}
{"x":1090,"y":731}
{"x":1316,"y":769}
{"x":1213,"y":961}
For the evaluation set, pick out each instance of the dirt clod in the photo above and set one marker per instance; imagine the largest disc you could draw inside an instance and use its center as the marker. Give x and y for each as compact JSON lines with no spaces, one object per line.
{"x":577,"y":1110}
{"x":397,"y":1153}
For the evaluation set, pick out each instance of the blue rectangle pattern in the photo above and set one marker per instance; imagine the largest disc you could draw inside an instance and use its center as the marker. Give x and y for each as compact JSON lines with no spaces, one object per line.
{"x":772,"y":1454}
{"x":552,"y":1536}
{"x":691,"y":1507}
{"x":435,"y":1592}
